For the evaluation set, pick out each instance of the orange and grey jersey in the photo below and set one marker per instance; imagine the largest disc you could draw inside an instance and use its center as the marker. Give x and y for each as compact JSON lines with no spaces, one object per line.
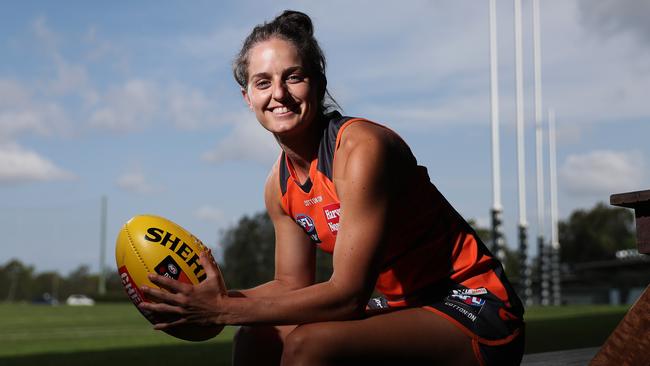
{"x":429,"y":245}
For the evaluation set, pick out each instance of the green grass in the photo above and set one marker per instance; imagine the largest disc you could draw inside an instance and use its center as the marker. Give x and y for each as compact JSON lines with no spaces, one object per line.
{"x":566,"y":327}
{"x":98,"y":335}
{"x":110,"y":334}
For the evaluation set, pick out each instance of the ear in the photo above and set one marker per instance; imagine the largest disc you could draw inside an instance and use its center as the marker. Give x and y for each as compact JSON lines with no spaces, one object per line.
{"x":247,"y":99}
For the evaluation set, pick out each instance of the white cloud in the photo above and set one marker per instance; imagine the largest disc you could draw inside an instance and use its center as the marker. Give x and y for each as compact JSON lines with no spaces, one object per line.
{"x":220,"y":43}
{"x":398,"y":55}
{"x":611,"y":17}
{"x":139,"y":104}
{"x":21,"y":113}
{"x":13,"y":94}
{"x":447,"y":112}
{"x":603,"y":172}
{"x":210,"y":214}
{"x":190,"y":108}
{"x":136,"y":182}
{"x":587,"y":78}
{"x":44,"y":34}
{"x":20,"y":165}
{"x":247,"y":141}
{"x":70,"y":79}
{"x":128,"y":107}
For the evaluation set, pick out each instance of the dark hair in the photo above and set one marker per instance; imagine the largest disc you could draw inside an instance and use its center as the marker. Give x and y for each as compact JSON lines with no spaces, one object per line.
{"x":297,"y":28}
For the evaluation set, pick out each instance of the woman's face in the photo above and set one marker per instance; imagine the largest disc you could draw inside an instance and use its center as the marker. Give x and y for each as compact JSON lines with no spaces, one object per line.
{"x":279,"y":91}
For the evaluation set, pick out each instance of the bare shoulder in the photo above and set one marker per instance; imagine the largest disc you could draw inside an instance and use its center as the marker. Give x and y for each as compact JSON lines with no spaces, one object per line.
{"x":369,"y":143}
{"x":360,"y":134}
{"x":363,"y":140}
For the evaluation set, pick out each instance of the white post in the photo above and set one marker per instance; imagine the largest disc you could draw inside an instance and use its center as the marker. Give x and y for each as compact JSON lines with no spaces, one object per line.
{"x":497,"y":208}
{"x":555,"y":243}
{"x":539,"y":161}
{"x":525,"y":289}
{"x":519,"y":95}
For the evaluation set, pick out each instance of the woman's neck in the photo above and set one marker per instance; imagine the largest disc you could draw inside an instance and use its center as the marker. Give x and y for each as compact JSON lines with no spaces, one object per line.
{"x":302,"y":149}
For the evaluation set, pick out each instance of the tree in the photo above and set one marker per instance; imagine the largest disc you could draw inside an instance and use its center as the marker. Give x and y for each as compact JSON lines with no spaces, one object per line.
{"x":596,"y":234}
{"x":80,"y":281}
{"x":249,"y":252}
{"x":249,"y":256}
{"x":16,"y":281}
{"x":47,"y":283}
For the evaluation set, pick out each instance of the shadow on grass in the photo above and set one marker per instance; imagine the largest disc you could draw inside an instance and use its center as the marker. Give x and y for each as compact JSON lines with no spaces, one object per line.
{"x":542,"y":335}
{"x":215,"y":354}
{"x":571,"y":332}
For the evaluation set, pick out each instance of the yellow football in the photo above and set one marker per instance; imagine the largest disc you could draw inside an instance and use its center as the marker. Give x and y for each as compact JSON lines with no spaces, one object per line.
{"x":151,"y":244}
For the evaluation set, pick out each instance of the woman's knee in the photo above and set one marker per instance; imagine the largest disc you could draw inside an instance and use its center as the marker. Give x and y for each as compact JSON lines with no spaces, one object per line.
{"x":252,"y":343}
{"x":307,"y":345}
{"x":250,"y":334}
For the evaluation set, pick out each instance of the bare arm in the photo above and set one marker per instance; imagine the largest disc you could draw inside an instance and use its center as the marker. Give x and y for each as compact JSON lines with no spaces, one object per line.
{"x":361,"y":180}
{"x":294,"y":253}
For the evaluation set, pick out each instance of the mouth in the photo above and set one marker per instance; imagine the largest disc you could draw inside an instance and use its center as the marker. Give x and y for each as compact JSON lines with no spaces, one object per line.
{"x":283,"y":111}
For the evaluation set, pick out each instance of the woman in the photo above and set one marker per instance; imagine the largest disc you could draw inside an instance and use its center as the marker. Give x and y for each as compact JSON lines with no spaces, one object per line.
{"x":352,"y":188}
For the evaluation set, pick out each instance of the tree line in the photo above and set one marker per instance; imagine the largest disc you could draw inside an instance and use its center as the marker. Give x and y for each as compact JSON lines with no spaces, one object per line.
{"x":589,"y":235}
{"x":586,"y":235}
{"x":21,"y":282}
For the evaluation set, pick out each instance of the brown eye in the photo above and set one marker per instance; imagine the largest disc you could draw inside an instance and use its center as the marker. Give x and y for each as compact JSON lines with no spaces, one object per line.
{"x":295,"y":78}
{"x":262,"y":84}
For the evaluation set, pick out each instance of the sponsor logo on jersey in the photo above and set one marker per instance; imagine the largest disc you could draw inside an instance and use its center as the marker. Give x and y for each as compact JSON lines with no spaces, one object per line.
{"x":469,"y":300}
{"x":307,"y":223}
{"x":313,"y":201}
{"x":378,"y":303}
{"x":471,"y":316}
{"x":471,"y":291}
{"x":332,"y":215}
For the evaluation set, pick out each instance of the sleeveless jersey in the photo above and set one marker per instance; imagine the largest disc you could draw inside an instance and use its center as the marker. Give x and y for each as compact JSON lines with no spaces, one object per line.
{"x":429,"y":245}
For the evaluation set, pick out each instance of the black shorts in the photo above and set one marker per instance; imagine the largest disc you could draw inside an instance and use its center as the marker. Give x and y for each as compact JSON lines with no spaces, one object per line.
{"x":496,"y":329}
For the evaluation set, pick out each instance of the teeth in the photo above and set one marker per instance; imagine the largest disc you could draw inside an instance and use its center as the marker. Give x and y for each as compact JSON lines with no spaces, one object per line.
{"x":280,"y":110}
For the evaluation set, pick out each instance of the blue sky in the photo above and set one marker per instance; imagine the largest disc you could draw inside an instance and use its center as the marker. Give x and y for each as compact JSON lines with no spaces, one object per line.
{"x":135,"y":101}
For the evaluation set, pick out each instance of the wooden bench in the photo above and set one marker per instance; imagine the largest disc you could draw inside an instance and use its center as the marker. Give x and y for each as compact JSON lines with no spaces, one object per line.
{"x":629,"y":343}
{"x":571,"y":357}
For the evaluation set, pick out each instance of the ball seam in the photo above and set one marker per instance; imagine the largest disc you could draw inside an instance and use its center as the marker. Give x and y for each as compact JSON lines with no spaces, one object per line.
{"x":128,"y":233}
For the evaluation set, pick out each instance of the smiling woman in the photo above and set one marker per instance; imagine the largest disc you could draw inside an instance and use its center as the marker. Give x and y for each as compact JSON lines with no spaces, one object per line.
{"x":352,"y":188}
{"x":281,"y":93}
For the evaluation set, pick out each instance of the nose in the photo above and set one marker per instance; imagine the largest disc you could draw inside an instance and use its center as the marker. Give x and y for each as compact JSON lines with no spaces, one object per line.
{"x":279,"y":91}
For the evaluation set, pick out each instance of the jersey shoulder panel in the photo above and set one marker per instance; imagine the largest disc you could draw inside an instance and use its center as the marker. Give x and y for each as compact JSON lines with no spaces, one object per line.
{"x":283,"y":173}
{"x":328,"y":142}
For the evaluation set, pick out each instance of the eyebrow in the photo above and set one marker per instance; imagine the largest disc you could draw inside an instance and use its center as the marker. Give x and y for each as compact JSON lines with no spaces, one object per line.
{"x":288,"y":70}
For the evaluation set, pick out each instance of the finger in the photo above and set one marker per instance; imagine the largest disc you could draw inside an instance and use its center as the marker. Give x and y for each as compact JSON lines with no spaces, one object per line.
{"x":208,"y":263}
{"x":157,"y":295}
{"x":161,"y":308}
{"x":167,"y":283}
{"x":163,"y":326}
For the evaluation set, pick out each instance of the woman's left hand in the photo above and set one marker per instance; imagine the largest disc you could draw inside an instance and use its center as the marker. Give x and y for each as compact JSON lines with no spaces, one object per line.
{"x":186,"y":303}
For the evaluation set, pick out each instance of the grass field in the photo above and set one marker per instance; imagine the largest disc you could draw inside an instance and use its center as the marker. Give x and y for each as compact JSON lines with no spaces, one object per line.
{"x":110,"y":334}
